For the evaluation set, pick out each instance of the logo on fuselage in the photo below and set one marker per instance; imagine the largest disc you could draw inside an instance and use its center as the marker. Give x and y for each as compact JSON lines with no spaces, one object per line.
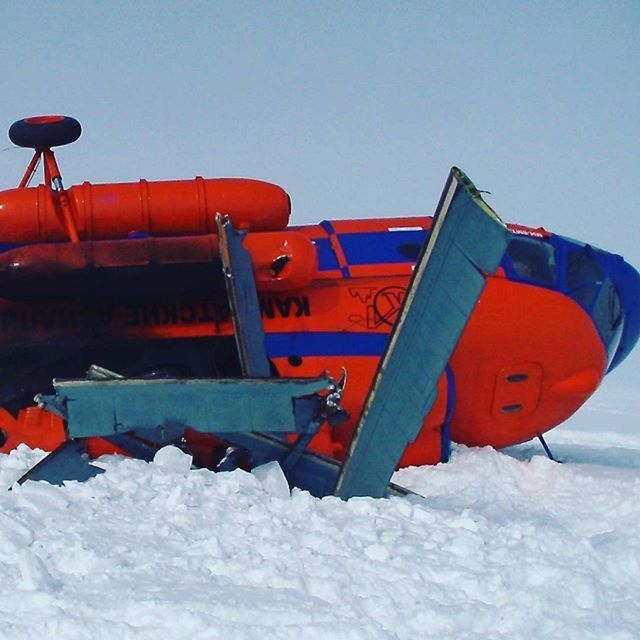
{"x":385,"y":307}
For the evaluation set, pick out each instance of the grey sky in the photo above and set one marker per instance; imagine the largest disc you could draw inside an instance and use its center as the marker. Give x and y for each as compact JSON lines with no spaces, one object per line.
{"x":357,"y":109}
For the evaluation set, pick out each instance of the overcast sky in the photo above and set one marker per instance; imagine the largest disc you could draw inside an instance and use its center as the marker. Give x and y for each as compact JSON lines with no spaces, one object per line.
{"x":357,"y":109}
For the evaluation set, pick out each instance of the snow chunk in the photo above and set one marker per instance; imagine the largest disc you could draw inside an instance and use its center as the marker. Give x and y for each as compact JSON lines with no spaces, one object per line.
{"x":377,"y":552}
{"x":272,"y":479}
{"x":173,"y":459}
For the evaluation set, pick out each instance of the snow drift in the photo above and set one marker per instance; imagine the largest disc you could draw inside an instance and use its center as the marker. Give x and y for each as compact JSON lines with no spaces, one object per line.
{"x":504,"y":545}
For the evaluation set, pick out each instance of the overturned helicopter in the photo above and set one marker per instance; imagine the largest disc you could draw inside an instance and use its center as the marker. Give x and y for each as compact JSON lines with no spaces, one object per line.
{"x":215,"y":325}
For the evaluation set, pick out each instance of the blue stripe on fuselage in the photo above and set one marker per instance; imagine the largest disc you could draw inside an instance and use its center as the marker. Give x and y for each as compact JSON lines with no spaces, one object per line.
{"x":327,"y":260}
{"x":325,"y":343}
{"x":369,"y":247}
{"x":381,"y":247}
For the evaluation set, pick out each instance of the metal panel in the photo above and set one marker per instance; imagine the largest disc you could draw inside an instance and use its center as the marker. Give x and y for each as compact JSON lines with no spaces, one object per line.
{"x":467,"y":240}
{"x":102,"y":408}
{"x":243,"y":300}
{"x":68,"y":462}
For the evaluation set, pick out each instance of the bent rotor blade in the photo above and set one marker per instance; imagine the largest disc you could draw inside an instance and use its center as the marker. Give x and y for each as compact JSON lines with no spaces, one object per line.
{"x":467,"y":241}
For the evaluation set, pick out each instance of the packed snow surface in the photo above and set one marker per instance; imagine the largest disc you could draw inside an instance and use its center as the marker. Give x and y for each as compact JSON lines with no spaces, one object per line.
{"x":503,"y":545}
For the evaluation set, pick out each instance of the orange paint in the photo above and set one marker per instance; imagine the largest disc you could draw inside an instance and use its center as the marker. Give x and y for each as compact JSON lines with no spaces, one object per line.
{"x":109,"y":211}
{"x":531,"y":331}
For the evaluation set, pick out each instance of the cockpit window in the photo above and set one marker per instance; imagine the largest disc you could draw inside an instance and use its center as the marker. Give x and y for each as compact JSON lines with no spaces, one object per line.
{"x":584,"y":276}
{"x":532,"y":259}
{"x":607,"y":313}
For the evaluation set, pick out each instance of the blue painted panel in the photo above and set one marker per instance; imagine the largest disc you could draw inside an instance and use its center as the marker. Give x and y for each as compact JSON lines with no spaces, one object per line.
{"x":328,"y":227}
{"x":381,"y":247}
{"x":445,"y":434}
{"x":330,"y":343}
{"x":327,"y":260}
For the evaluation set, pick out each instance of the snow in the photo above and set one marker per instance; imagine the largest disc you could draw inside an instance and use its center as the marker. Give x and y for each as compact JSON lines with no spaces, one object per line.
{"x":503,"y":545}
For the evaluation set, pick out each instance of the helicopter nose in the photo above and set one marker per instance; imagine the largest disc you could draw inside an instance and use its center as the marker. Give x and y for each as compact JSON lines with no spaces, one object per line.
{"x":537,"y":357}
